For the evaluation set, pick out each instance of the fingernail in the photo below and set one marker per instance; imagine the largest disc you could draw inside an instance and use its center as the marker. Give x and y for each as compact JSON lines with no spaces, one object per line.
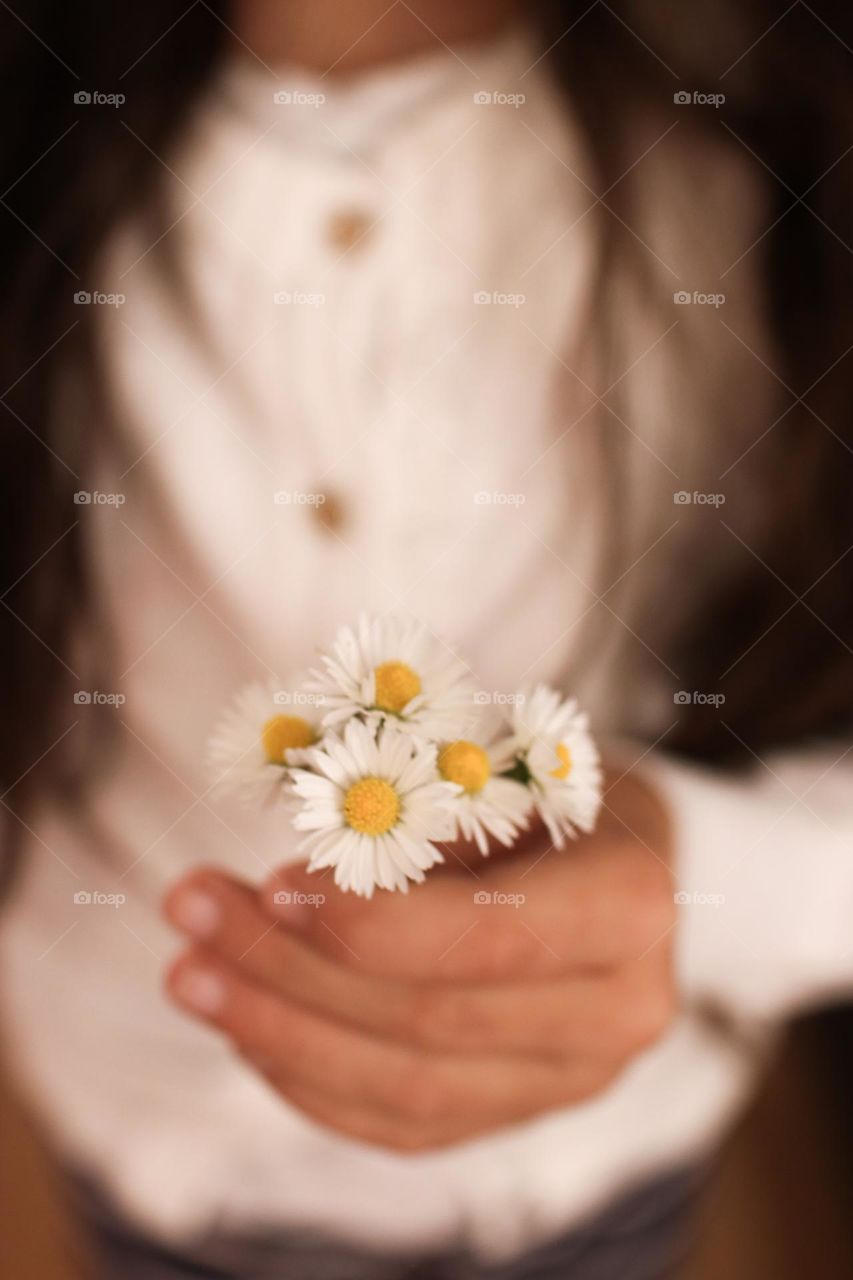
{"x":197,"y":913}
{"x":200,"y":990}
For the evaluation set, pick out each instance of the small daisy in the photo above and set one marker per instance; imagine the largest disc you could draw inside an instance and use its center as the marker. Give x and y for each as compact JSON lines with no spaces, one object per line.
{"x":258,"y":736}
{"x":558,"y":760}
{"x":395,"y":670}
{"x":485,"y":804}
{"x":373,"y":804}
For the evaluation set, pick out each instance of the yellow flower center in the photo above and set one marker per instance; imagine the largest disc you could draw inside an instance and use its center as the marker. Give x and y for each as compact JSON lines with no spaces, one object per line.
{"x":371,"y":806}
{"x":280,"y":733}
{"x":465,"y":764}
{"x":396,"y":685}
{"x":565,"y":758}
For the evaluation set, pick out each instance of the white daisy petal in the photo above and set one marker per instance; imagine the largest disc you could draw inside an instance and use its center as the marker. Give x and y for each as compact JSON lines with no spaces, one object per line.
{"x":394,"y":670}
{"x":483,"y":805}
{"x":262,"y":719}
{"x":386,"y":752}
{"x":552,"y":740}
{"x":377,"y":810}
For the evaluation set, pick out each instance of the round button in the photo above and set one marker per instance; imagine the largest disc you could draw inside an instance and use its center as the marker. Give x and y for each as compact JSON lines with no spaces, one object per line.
{"x":348,"y":228}
{"x":330,"y":513}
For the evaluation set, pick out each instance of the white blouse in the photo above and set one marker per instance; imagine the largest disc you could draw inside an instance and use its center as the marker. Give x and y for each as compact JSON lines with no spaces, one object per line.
{"x":360,"y":384}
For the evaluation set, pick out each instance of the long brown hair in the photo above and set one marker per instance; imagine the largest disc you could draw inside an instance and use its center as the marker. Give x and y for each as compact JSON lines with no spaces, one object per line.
{"x":774,"y":636}
{"x":776,"y":633}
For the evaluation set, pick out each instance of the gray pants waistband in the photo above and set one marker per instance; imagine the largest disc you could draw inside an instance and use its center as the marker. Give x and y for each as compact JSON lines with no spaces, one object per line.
{"x":643,"y":1235}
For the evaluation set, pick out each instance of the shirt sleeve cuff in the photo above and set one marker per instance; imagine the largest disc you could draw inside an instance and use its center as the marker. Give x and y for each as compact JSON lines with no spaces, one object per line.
{"x":764,"y":880}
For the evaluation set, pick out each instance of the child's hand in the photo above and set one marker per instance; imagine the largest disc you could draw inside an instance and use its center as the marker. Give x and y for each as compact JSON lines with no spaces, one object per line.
{"x":418,"y":1021}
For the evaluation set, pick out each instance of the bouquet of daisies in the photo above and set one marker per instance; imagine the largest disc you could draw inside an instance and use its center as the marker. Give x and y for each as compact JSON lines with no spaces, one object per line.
{"x":387,"y":750}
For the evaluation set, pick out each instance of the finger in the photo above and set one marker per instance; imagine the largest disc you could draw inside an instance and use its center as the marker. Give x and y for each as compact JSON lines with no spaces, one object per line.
{"x":365,"y":1124}
{"x":357,"y":1069}
{"x":227,"y":916}
{"x":597,"y":1017}
{"x":402,"y":1135}
{"x":595,"y":905}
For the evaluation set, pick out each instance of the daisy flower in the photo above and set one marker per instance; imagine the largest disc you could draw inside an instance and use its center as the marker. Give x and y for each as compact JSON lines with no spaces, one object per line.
{"x":394,"y":670}
{"x":485,"y":804}
{"x":373,"y":804}
{"x":557,"y":759}
{"x":264,"y":730}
